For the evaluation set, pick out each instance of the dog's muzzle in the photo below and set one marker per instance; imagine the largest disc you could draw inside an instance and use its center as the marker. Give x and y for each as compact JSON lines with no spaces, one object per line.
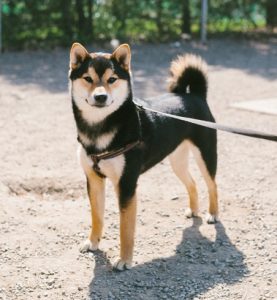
{"x":98,"y":100}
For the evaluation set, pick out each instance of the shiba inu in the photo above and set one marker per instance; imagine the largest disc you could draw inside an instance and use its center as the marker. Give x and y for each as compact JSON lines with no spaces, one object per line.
{"x":120,"y":142}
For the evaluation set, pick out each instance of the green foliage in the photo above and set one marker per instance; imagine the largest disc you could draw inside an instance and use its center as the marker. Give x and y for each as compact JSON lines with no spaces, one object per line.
{"x":49,"y":23}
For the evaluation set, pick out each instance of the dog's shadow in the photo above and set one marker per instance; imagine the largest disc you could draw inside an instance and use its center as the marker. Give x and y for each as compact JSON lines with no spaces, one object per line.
{"x":198,"y":265}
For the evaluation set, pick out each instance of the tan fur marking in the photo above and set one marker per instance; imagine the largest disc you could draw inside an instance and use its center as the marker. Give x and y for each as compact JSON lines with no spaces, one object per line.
{"x":108,"y":73}
{"x":89,"y":87}
{"x":213,"y":207}
{"x":96,"y":192}
{"x":106,"y":55}
{"x":84,"y":139}
{"x":123,"y":55}
{"x":111,"y":87}
{"x":92,"y":73}
{"x":179,"y":163}
{"x":211,"y":184}
{"x":127,"y":230}
{"x":77,"y":53}
{"x":100,"y":85}
{"x":116,"y":85}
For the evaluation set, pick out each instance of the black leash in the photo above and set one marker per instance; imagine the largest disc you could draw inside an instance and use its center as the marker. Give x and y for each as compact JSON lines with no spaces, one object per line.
{"x":215,"y":126}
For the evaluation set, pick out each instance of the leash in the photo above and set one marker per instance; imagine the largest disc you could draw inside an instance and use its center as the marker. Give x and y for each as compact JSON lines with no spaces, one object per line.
{"x":215,"y":126}
{"x":96,"y":158}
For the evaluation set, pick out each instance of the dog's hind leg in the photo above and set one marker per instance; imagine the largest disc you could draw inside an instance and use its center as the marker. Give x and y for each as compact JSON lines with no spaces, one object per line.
{"x":179,"y":162}
{"x":206,"y":159}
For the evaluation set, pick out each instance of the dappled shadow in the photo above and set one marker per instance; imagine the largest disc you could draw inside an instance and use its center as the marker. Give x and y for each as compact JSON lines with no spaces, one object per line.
{"x":198,"y":265}
{"x":255,"y":58}
{"x":150,"y":63}
{"x":48,"y":70}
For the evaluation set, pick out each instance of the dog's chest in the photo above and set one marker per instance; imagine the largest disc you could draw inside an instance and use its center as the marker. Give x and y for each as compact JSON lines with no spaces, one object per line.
{"x":112,"y":168}
{"x":99,"y":142}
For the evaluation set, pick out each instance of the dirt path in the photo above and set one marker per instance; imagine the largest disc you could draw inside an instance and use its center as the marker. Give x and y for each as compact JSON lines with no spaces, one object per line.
{"x":44,"y":211}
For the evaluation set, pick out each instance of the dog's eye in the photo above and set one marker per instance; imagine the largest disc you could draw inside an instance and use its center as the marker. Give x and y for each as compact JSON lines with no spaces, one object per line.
{"x":112,"y":80}
{"x":88,"y":79}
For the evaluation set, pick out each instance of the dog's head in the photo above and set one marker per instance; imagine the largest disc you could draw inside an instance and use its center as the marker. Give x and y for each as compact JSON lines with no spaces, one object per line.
{"x":100,"y":82}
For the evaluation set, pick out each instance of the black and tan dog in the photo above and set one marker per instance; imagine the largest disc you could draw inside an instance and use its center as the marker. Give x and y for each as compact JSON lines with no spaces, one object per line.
{"x":120,"y":142}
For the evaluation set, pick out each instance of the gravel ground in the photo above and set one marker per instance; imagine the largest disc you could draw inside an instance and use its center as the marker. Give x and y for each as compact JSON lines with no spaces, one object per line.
{"x":44,"y":211}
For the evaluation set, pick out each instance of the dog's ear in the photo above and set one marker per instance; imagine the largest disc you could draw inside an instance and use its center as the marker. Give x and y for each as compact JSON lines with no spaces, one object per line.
{"x":78,"y":53}
{"x":123,"y":55}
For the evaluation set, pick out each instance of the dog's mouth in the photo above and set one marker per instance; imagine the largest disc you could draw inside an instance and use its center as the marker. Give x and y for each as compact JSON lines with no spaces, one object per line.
{"x":98,"y":104}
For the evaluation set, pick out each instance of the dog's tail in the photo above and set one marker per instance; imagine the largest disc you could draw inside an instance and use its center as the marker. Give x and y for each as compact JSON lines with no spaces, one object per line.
{"x":189,"y":75}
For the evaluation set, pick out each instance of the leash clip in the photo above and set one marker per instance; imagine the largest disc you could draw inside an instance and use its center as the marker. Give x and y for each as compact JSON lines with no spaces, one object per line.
{"x":139,"y":106}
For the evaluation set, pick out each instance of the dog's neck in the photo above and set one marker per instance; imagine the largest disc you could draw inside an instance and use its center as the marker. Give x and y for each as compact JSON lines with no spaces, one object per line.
{"x":116,"y":130}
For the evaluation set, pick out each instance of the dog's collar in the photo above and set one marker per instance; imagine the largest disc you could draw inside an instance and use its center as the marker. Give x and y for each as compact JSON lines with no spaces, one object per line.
{"x":96,"y":158}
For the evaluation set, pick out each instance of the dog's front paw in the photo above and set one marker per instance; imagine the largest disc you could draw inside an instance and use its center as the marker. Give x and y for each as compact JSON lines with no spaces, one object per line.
{"x":211,"y":219}
{"x":122,"y":265}
{"x":87,"y":246}
{"x":189,"y":213}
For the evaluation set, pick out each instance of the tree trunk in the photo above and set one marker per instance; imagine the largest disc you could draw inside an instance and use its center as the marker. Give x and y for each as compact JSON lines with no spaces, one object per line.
{"x":121,"y":13}
{"x":159,"y":17}
{"x":81,"y":23}
{"x":271,"y":13}
{"x":66,"y":21}
{"x":186,"y":28}
{"x":90,"y":18}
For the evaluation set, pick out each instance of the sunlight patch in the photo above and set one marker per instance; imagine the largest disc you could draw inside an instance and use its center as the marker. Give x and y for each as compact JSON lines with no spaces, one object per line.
{"x":266,"y":106}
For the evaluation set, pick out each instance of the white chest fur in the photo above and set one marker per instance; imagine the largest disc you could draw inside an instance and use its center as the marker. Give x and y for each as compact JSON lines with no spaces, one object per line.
{"x":112,"y":168}
{"x":100,"y":142}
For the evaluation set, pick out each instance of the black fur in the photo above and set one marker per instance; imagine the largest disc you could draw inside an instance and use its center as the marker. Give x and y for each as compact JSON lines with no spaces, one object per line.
{"x":165,"y":134}
{"x":195,"y":80}
{"x":159,"y":135}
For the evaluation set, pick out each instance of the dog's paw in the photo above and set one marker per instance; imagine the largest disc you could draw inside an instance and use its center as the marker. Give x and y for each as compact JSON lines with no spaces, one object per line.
{"x":87,"y":246}
{"x":190,"y":214}
{"x":122,"y":265}
{"x":211,"y":219}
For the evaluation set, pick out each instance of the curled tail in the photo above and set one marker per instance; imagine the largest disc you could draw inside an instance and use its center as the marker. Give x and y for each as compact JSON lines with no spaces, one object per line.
{"x":189,"y":74}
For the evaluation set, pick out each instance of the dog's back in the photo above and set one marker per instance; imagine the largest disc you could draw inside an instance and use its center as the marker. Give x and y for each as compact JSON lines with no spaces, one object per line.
{"x":187,"y":97}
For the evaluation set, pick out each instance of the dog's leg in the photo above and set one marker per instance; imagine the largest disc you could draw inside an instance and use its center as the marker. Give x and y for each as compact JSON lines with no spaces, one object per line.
{"x":96,"y":193}
{"x":126,"y":191}
{"x":127,"y":234}
{"x":179,"y":163}
{"x":207,"y":164}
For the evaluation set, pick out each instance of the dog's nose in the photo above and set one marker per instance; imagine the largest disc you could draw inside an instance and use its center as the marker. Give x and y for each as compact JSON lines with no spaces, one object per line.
{"x":100,"y":98}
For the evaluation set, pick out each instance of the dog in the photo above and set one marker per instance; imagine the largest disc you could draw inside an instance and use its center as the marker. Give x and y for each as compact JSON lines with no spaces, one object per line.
{"x":118,"y":141}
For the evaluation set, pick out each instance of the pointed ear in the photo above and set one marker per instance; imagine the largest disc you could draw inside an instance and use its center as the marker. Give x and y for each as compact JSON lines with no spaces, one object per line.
{"x":78,"y":53}
{"x":123,"y":55}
